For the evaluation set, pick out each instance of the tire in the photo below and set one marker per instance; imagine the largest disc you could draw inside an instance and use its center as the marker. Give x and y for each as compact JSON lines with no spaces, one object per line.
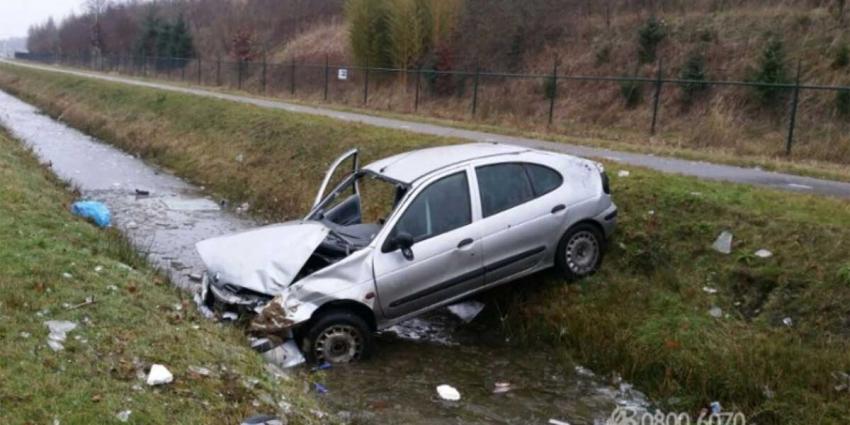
{"x":338,"y":336}
{"x":580,"y":251}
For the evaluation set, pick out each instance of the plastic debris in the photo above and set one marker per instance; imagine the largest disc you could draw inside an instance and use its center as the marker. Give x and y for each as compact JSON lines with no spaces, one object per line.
{"x":723,"y":244}
{"x":501,"y":387}
{"x":240,"y":157}
{"x":787,"y":321}
{"x":87,"y":301}
{"x":285,"y":355}
{"x":623,"y":173}
{"x":58,"y":332}
{"x":229,"y":315}
{"x":709,"y":290}
{"x":763,"y":253}
{"x":321,"y":389}
{"x":242,"y":209}
{"x":142,"y":192}
{"x":195,"y":277}
{"x":843,"y":380}
{"x":94,"y":211}
{"x":200,"y":371}
{"x":262,"y":420}
{"x":124,"y":415}
{"x":448,"y":392}
{"x":558,"y":422}
{"x":67,"y":275}
{"x":715,"y":408}
{"x":716,"y":312}
{"x":466,"y":311}
{"x":159,"y":375}
{"x":323,"y":366}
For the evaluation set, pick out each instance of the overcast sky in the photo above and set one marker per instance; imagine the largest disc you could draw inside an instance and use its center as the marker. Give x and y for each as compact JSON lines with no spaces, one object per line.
{"x":16,"y":16}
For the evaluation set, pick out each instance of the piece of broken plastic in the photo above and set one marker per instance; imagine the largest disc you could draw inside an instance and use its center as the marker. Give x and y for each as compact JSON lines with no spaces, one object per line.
{"x":466,"y":311}
{"x":723,"y":243}
{"x":262,"y":420}
{"x":448,"y":392}
{"x":321,"y":389}
{"x":94,"y":211}
{"x":58,"y":333}
{"x":763,"y":253}
{"x":123,"y":415}
{"x":284,"y":356}
{"x":159,"y":375}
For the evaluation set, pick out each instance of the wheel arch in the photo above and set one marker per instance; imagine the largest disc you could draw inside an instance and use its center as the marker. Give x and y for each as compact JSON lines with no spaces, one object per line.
{"x":360,"y":309}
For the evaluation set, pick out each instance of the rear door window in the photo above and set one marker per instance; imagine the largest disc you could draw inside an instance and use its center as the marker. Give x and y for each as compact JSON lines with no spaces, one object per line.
{"x":503,"y":186}
{"x":544,"y":179}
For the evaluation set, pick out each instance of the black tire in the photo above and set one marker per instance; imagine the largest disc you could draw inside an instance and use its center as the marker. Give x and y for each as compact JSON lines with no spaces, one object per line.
{"x":338,"y":336}
{"x":580,"y":251}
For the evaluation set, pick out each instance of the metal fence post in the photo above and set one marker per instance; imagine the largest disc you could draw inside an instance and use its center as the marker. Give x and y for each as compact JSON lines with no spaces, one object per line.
{"x":218,"y":71}
{"x":264,"y":72}
{"x":292,"y":78}
{"x":792,"y":119}
{"x":239,"y":74}
{"x":199,"y":71}
{"x":475,"y":89}
{"x":327,"y":73}
{"x":366,"y":85}
{"x":183,"y":69}
{"x":416,"y":99}
{"x":554,"y":93}
{"x":658,"y":83}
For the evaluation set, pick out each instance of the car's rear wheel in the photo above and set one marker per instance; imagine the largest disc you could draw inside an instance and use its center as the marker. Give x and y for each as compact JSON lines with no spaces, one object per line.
{"x":338,"y":336}
{"x":580,"y":251}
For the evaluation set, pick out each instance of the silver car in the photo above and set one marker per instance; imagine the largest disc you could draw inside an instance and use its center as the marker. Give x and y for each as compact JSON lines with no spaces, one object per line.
{"x":409,"y":234}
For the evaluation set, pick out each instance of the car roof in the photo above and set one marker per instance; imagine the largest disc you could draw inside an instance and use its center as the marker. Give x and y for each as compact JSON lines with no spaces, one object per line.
{"x":410,"y":166}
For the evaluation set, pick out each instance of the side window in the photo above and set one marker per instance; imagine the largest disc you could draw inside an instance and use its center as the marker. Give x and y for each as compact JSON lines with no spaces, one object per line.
{"x":441,"y":207}
{"x":544,"y":179}
{"x":502,"y":186}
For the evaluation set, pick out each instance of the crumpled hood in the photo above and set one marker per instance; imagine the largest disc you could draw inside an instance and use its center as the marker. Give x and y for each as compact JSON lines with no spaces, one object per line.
{"x":264,"y":260}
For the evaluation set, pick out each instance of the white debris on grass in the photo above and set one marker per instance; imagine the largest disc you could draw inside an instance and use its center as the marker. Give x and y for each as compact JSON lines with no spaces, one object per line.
{"x":448,"y":392}
{"x":716,"y":312}
{"x":558,"y":422}
{"x":200,"y":370}
{"x":123,"y":415}
{"x":67,"y":275}
{"x":709,"y":290}
{"x":501,"y":387}
{"x":159,"y":375}
{"x":787,"y":321}
{"x":763,"y":253}
{"x":466,"y":311}
{"x":723,"y":244}
{"x":623,"y":173}
{"x":285,"y":355}
{"x":229,"y":315}
{"x":58,"y":332}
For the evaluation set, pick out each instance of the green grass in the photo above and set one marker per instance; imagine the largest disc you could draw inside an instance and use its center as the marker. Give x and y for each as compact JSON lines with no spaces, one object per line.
{"x":644,"y":316}
{"x":137,"y":319}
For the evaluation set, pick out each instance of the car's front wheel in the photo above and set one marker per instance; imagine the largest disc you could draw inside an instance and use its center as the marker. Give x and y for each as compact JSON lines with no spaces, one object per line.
{"x":338,"y":336}
{"x":580,"y":251}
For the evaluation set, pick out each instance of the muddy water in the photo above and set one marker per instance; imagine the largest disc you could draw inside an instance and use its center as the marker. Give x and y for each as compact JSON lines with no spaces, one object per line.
{"x":169,"y":215}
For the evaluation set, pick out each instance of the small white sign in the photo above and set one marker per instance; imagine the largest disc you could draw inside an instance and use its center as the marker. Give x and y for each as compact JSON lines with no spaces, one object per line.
{"x":342,"y":74}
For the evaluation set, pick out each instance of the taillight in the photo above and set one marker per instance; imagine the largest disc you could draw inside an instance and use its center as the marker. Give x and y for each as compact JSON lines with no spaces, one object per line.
{"x":606,"y":185}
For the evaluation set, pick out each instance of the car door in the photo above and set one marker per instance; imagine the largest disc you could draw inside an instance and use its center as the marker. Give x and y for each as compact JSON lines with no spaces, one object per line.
{"x":339,"y":203}
{"x":519,"y":224}
{"x":446,"y":250}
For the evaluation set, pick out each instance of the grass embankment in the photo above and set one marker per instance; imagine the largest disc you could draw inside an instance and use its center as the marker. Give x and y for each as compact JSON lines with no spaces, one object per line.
{"x":50,"y":262}
{"x":644,"y":316}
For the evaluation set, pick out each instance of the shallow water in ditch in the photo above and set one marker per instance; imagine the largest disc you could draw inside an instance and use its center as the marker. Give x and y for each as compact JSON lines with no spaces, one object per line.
{"x":398,"y":384}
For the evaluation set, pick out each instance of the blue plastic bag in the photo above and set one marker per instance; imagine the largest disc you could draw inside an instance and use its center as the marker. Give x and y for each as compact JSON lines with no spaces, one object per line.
{"x":96,"y":212}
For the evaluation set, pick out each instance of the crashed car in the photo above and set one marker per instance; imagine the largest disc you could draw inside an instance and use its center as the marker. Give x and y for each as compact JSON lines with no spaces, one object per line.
{"x":454,"y":221}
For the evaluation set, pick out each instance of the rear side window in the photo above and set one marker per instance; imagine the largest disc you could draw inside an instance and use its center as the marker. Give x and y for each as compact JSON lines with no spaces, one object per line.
{"x":503,"y":186}
{"x":441,"y":207}
{"x":544,"y":179}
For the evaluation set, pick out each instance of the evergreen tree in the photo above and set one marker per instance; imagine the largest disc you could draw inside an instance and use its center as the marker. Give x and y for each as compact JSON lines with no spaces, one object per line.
{"x":181,"y":44}
{"x":148,"y":40}
{"x":771,"y":70}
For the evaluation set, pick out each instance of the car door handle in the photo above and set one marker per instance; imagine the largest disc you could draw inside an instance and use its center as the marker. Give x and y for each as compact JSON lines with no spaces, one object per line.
{"x":558,"y":208}
{"x":465,"y":242}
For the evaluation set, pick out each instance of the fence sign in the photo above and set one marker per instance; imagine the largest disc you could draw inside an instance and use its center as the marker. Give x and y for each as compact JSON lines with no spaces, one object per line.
{"x":342,"y":74}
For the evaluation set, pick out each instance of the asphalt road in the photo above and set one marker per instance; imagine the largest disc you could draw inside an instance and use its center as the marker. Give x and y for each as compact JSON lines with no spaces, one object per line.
{"x":700,"y":169}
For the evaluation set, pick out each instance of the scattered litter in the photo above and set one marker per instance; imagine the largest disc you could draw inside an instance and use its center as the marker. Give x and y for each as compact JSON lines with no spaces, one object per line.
{"x":768,"y":393}
{"x":697,"y":194}
{"x":843,"y":380}
{"x":716,"y":312}
{"x":715,"y":408}
{"x":623,"y":173}
{"x":25,"y":335}
{"x":285,"y":355}
{"x":195,"y":277}
{"x":501,"y":387}
{"x":229,"y":315}
{"x":787,"y":321}
{"x":558,"y":422}
{"x":709,"y":290}
{"x":97,"y":212}
{"x":240,"y":157}
{"x":723,"y":244}
{"x":466,"y":311}
{"x":58,"y":332}
{"x":448,"y":392}
{"x":132,"y":225}
{"x":98,"y":269}
{"x":200,"y":371}
{"x":763,"y":253}
{"x":199,"y":204}
{"x":112,"y":288}
{"x":262,"y":420}
{"x":321,"y":389}
{"x":323,"y":366}
{"x":67,"y":275}
{"x":88,"y":301}
{"x":124,"y":415}
{"x":242,"y":209}
{"x":159,"y":375}
{"x":142,"y":192}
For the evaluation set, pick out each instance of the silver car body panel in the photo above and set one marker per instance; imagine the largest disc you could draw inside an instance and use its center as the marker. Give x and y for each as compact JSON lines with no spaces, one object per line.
{"x":505,"y":246}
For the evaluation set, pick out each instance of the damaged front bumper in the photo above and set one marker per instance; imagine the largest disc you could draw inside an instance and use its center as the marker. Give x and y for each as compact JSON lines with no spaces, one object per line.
{"x":215,"y":295}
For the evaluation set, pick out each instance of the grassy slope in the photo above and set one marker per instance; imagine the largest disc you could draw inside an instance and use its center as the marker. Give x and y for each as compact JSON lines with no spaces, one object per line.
{"x":140,"y":321}
{"x":644,"y":316}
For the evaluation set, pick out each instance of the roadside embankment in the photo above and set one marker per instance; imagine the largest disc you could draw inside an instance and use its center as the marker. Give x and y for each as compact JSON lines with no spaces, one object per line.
{"x":687,"y":324}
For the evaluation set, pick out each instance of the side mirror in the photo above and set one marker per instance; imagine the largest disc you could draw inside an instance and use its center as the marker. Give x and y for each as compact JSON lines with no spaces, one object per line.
{"x":404,"y":241}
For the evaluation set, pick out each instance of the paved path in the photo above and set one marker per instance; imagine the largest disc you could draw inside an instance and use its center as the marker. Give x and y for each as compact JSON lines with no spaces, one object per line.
{"x":704,"y":170}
